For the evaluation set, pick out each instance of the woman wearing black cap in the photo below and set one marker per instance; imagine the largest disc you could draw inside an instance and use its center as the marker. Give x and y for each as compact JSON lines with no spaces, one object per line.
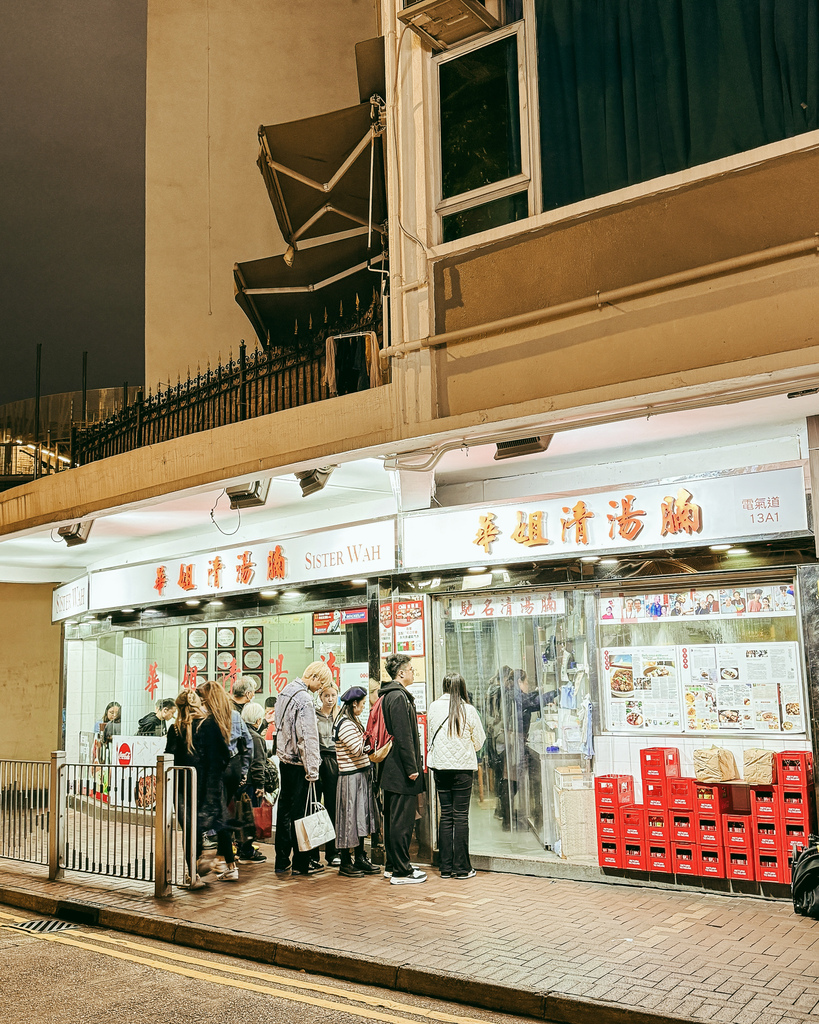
{"x":356,"y":809}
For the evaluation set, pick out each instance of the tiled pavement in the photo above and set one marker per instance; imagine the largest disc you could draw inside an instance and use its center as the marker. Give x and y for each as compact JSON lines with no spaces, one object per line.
{"x":731,"y":959}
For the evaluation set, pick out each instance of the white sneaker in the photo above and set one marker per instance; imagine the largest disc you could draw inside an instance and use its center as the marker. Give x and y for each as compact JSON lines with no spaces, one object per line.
{"x":470,"y":874}
{"x":387,"y":875}
{"x":413,"y":879}
{"x":229,"y":876}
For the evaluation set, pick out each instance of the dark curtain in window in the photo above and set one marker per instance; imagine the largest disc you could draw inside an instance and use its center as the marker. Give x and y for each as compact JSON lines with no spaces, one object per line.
{"x":633,"y":89}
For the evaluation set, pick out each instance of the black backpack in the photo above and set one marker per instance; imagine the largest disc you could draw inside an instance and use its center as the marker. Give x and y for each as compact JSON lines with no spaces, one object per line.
{"x":271,"y":777}
{"x":805,"y":879}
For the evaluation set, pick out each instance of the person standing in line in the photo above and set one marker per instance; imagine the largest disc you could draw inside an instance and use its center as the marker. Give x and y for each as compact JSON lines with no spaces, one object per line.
{"x":299,"y":763}
{"x":155,"y":723}
{"x":252,"y":792}
{"x":402,"y":771}
{"x":328,"y":772}
{"x":456,"y":736}
{"x":240,"y":746}
{"x":356,"y":810}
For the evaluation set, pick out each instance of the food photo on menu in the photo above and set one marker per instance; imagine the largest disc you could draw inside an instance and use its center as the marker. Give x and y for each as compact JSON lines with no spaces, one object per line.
{"x":642,"y":687}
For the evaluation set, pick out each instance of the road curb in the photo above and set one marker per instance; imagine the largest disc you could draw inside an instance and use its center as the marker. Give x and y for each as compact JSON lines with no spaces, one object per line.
{"x":417,"y":981}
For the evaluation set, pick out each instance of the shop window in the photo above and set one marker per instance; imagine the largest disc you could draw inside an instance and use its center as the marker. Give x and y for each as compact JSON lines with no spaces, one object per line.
{"x":525,"y":659}
{"x":484,"y":176}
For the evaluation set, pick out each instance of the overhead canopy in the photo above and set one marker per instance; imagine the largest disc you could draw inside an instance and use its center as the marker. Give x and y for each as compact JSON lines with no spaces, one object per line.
{"x":325,"y":283}
{"x":318,"y":172}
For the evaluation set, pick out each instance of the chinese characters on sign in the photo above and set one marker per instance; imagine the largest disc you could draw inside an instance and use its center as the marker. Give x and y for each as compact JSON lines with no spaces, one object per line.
{"x":153,"y":681}
{"x":538,"y":602}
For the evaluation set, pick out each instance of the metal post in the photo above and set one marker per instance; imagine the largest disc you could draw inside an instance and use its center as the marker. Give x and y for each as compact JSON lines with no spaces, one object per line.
{"x":242,"y":384}
{"x":37,"y":394}
{"x":85,"y":389}
{"x":163,"y":821}
{"x":56,"y":816}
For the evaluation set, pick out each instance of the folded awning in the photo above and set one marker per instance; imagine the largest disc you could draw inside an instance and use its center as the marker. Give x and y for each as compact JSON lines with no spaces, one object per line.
{"x":327,"y":283}
{"x":323,"y":173}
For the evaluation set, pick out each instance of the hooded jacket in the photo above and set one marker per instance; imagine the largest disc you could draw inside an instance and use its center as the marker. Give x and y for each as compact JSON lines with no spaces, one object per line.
{"x":405,"y":757}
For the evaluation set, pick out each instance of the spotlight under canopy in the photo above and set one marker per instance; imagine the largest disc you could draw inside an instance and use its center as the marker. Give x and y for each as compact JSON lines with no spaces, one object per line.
{"x":76,"y":533}
{"x":249,"y":495}
{"x":313,"y":480}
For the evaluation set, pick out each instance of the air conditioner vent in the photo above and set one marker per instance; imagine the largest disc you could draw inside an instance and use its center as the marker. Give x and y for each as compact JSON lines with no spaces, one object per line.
{"x":526,"y":446}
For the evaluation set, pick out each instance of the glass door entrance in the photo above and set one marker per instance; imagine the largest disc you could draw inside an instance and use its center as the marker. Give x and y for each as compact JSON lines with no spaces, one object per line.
{"x":525,"y":660}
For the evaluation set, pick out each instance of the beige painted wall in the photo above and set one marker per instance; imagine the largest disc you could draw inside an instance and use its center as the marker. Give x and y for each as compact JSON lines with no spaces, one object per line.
{"x":218,"y":69}
{"x":30,"y":683}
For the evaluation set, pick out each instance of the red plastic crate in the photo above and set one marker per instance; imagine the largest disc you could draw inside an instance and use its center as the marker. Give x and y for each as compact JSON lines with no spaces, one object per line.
{"x":710,"y":798}
{"x":654,"y":795}
{"x":740,"y":864}
{"x":613,"y":790}
{"x":772,"y":867}
{"x":634,"y":855}
{"x":610,"y":853}
{"x":794,"y":768}
{"x":683,"y":827}
{"x":737,"y":831}
{"x":709,"y":830}
{"x":686,"y":857}
{"x":794,"y":832}
{"x":658,"y":826}
{"x":633,"y":823}
{"x":764,"y":802}
{"x":608,"y":824}
{"x":712,"y":861}
{"x":680,"y":794}
{"x":660,"y":763}
{"x":794,"y":803}
{"x":659,"y":858}
{"x":768,"y":834}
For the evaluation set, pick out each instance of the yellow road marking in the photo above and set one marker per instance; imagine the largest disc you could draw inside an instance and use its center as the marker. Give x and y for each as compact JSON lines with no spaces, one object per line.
{"x":269,"y":989}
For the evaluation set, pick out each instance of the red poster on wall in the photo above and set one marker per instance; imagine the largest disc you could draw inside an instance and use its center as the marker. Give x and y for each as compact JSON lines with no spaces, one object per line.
{"x":409,"y":627}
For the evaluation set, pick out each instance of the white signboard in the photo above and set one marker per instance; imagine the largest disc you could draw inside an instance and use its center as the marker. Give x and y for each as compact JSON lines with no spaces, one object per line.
{"x":683,"y":514}
{"x":328,"y":554}
{"x":70,"y":599}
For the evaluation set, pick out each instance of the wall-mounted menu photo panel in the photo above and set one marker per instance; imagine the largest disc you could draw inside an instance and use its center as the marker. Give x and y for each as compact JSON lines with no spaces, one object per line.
{"x":252,"y":660}
{"x":197,"y":638}
{"x":225,"y":636}
{"x":198,"y":660}
{"x":253,"y":636}
{"x":757,"y":600}
{"x":225,"y":660}
{"x":642,"y":689}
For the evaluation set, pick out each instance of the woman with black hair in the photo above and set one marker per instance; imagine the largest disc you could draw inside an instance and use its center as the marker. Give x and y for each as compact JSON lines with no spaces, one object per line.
{"x":108,"y":728}
{"x":456,"y":736}
{"x":356,"y":810}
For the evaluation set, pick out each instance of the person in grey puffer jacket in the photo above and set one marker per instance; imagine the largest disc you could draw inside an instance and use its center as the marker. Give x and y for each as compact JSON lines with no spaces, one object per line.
{"x":299,"y":763}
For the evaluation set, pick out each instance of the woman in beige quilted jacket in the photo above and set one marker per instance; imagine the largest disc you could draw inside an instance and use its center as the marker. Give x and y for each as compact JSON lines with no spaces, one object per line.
{"x":456,"y":734}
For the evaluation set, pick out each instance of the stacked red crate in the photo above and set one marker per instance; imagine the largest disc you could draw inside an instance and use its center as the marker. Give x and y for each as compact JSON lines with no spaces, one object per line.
{"x":671,"y":824}
{"x":611,"y":794}
{"x":710,"y":801}
{"x":782,"y":814}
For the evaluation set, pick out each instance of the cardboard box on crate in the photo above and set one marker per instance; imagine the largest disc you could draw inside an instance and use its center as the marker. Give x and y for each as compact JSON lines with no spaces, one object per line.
{"x":740,"y":864}
{"x":613,"y":790}
{"x":659,"y":763}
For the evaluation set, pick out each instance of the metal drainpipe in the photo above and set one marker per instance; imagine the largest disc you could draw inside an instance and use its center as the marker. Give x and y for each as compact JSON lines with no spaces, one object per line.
{"x":600,"y":299}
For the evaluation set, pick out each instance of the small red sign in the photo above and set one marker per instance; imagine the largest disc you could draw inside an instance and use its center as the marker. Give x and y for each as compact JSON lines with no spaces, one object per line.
{"x":124,"y":755}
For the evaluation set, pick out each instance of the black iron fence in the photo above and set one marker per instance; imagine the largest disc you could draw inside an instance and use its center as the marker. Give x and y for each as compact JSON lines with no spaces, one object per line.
{"x":252,"y":385}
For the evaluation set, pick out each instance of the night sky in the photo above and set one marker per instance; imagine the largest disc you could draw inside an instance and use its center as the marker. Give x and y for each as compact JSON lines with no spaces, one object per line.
{"x":72,"y":193}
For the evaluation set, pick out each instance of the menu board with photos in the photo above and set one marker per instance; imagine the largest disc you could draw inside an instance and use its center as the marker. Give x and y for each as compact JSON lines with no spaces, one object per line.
{"x":755,"y":600}
{"x":743,"y":688}
{"x":642,"y":688}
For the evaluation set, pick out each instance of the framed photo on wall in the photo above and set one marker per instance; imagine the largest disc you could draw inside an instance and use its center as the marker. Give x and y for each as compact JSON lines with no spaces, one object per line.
{"x":225,"y":637}
{"x":197,"y":639}
{"x":253,"y":636}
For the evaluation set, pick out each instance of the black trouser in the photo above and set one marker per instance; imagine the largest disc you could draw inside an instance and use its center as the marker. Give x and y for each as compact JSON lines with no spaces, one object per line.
{"x":399,"y":821}
{"x":454,"y":792}
{"x":292,"y":804}
{"x":230,"y":781}
{"x":326,"y":788}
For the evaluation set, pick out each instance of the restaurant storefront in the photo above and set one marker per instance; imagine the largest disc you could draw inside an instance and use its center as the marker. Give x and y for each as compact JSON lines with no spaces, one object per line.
{"x":589,"y":628}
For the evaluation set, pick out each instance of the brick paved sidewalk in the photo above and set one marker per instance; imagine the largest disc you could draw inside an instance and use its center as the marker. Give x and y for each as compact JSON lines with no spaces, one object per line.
{"x":683,"y":955}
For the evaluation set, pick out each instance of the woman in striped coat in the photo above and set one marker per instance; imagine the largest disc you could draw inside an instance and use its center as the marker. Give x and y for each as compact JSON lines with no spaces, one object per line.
{"x":356,"y":809}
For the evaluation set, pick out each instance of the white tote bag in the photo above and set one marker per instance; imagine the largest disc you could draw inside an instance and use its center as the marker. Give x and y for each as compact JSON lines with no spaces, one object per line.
{"x":315,"y":827}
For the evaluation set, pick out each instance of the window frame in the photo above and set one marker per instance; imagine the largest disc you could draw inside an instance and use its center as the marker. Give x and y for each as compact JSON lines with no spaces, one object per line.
{"x":528,"y":180}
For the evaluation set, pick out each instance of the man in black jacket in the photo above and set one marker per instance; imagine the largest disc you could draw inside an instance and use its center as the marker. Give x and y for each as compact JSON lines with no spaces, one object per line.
{"x":155,"y":723}
{"x":402,"y":771}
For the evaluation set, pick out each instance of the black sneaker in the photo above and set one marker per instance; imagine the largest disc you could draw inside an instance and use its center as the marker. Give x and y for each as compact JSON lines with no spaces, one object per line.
{"x":312,"y":869}
{"x":257,"y":857}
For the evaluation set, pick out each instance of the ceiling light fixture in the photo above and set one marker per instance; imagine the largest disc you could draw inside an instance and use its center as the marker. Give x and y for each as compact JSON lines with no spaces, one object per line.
{"x":249,"y":495}
{"x":359,"y":583}
{"x":721,"y":547}
{"x":268,"y":593}
{"x":477,"y":568}
{"x":590,"y":558}
{"x":526,"y":446}
{"x":313,"y":480}
{"x":193,"y":602}
{"x":609,"y":561}
{"x":127,"y":611}
{"x":738,"y":551}
{"x":215,"y":604}
{"x":76,"y":533}
{"x":292,"y":594}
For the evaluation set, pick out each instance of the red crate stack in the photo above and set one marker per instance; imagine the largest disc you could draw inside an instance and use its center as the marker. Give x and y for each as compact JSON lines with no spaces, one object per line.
{"x":764,"y":803}
{"x":768,"y":835}
{"x":659,"y":763}
{"x":740,"y":864}
{"x":683,"y":827}
{"x":712,"y":861}
{"x":654,"y":795}
{"x":711,"y":798}
{"x":686,"y":858}
{"x":608,"y":823}
{"x":772,"y":866}
{"x":680,"y":794}
{"x":658,"y":826}
{"x":659,"y":857}
{"x":794,"y":768}
{"x":634,"y":855}
{"x":633,"y":823}
{"x":737,"y":832}
{"x":795,"y":804}
{"x":611,"y":794}
{"x":610,"y":853}
{"x":709,"y":830}
{"x":613,"y":790}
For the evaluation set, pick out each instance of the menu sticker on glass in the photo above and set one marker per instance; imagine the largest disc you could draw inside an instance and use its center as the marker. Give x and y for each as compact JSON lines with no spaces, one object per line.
{"x":760,"y":601}
{"x":642,"y":688}
{"x":385,"y":626}
{"x":409,"y":627}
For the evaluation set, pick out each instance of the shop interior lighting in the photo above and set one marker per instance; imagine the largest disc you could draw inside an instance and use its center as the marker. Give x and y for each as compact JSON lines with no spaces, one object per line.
{"x":268,"y":593}
{"x":475,"y":582}
{"x":127,"y":611}
{"x":152,"y":611}
{"x":194,"y":602}
{"x":738,"y":551}
{"x":721,"y":547}
{"x":292,"y":594}
{"x":249,"y":495}
{"x":215,"y":604}
{"x":590,"y":558}
{"x":477,"y":568}
{"x":76,"y":533}
{"x":359,"y":583}
{"x":609,"y":561}
{"x":313,"y":480}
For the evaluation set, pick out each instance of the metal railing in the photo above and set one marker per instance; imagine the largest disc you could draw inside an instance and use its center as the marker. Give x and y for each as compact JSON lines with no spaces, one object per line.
{"x":126,"y":822}
{"x":24,"y":810}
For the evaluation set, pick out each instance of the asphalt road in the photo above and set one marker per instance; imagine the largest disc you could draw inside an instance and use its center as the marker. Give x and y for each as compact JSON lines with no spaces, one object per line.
{"x":85,"y":974}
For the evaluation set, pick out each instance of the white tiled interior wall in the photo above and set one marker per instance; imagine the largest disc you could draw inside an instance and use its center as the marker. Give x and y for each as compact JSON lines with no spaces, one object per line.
{"x":135,"y":701}
{"x":620,"y":755}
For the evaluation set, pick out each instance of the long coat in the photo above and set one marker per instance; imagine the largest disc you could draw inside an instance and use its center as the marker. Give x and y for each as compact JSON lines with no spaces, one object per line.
{"x":405,"y":757}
